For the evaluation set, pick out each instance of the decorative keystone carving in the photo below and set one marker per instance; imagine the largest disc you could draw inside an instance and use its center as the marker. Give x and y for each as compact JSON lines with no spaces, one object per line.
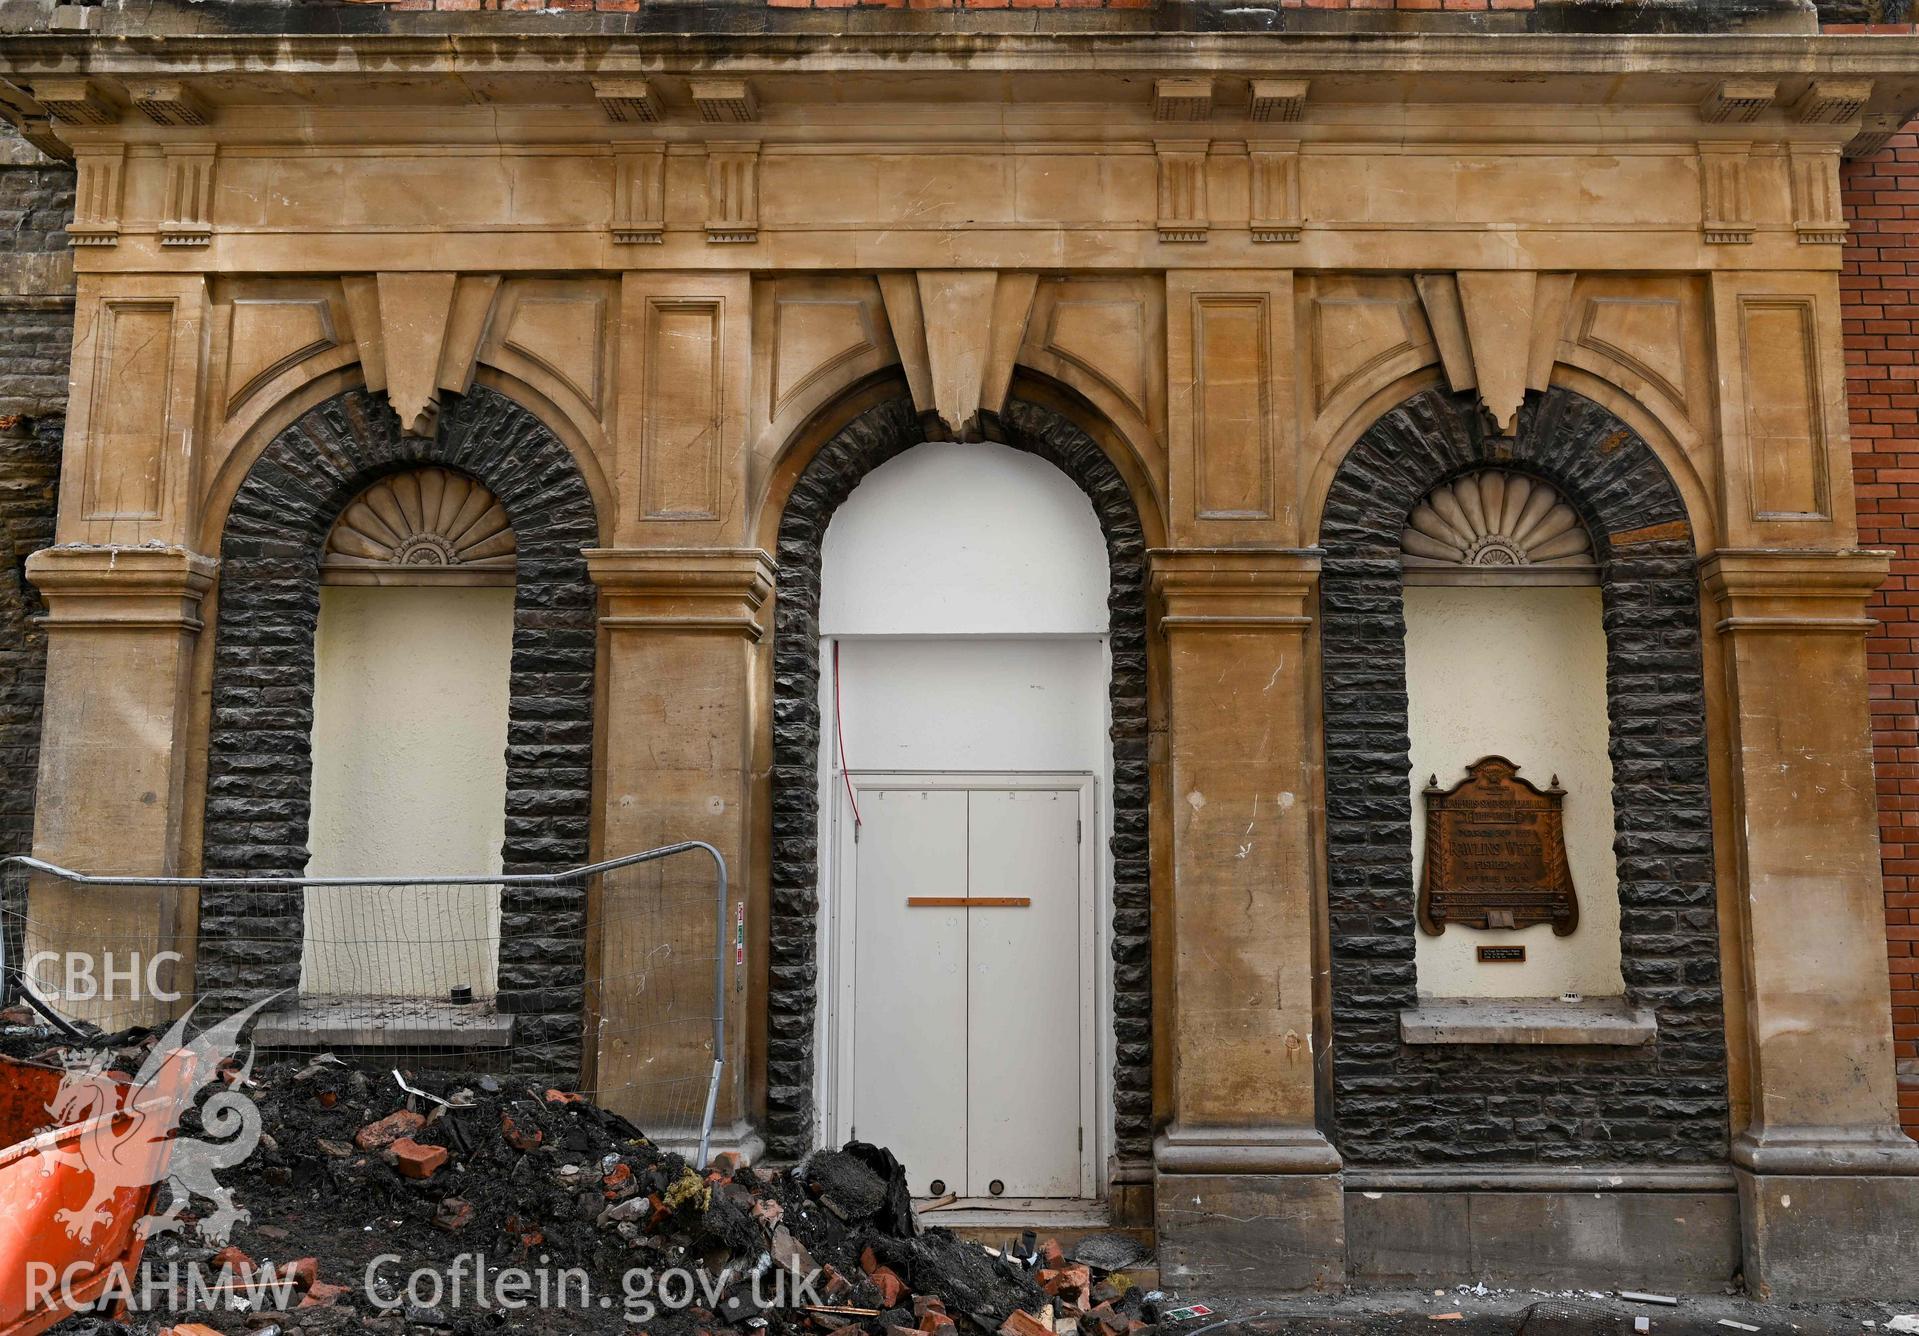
{"x":1497,"y":332}
{"x":1279,"y":99}
{"x":414,"y":311}
{"x":627,"y":101}
{"x":1182,"y":189}
{"x":169,"y":102}
{"x":427,"y":520}
{"x":1737,"y":101}
{"x":639,"y":193}
{"x":725,"y":101}
{"x":959,"y":333}
{"x":1875,"y":129}
{"x":1726,"y":193}
{"x":733,"y":192}
{"x":1275,"y":189}
{"x":1182,"y":99}
{"x":188,"y":216}
{"x":1832,"y":101}
{"x":96,"y":195}
{"x":1816,"y":215}
{"x":76,"y":101}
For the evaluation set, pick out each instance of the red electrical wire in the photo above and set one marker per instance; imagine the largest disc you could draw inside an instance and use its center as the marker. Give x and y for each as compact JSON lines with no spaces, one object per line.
{"x":839,"y":736}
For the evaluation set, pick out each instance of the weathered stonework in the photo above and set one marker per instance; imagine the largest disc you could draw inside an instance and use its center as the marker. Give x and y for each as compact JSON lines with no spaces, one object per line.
{"x":829,"y":478}
{"x":259,"y":766}
{"x":36,"y":334}
{"x":1396,"y":1104}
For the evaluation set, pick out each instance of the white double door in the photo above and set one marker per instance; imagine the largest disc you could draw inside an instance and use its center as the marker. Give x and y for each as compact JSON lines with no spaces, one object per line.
{"x":966,"y":980}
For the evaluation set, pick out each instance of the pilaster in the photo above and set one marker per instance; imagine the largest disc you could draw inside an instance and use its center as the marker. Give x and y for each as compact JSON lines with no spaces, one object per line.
{"x":121,"y":626}
{"x":1825,"y":1174}
{"x":1248,"y":1192}
{"x":678,"y":630}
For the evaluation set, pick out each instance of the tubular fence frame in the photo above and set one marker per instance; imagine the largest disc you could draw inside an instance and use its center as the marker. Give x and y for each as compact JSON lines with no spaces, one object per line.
{"x":566,"y":877}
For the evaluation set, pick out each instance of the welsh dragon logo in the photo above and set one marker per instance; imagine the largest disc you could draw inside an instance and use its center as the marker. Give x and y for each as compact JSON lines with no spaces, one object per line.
{"x":134,"y":1143}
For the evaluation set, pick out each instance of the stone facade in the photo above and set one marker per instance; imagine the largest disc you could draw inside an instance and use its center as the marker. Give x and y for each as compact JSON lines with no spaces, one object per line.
{"x":1394,"y":1104}
{"x":1254,"y":290}
{"x":36,"y":330}
{"x":862,"y":446}
{"x":259,"y":764}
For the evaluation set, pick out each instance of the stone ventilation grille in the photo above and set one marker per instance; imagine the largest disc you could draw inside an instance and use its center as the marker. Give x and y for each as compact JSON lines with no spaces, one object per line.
{"x":1882,"y":371}
{"x":1395,"y":1104}
{"x":1494,"y":518}
{"x":862,"y":446}
{"x":430,"y":517}
{"x":259,"y":763}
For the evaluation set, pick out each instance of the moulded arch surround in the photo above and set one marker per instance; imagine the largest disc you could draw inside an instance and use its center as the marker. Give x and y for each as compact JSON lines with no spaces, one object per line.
{"x":886,"y":428}
{"x":258,"y":768}
{"x":1663,"y":833}
{"x":305,"y":386}
{"x":1120,"y":445}
{"x":1396,"y":386}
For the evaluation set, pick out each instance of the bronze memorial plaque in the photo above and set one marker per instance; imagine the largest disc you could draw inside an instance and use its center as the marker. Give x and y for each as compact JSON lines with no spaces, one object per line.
{"x":1496,"y":853}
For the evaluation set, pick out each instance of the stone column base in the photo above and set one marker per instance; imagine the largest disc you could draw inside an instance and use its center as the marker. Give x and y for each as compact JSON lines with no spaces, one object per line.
{"x":1829,"y":1236}
{"x":1250,"y":1233}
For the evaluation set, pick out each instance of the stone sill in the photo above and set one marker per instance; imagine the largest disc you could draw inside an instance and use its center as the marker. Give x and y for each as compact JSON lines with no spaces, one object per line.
{"x":361,"y":1022}
{"x":1527,"y":1020}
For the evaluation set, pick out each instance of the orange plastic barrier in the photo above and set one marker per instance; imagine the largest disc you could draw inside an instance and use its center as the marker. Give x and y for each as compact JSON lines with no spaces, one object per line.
{"x":42,"y":1174}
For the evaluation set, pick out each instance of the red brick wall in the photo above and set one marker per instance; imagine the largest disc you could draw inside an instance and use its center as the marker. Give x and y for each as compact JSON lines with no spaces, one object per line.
{"x":1881,"y":309}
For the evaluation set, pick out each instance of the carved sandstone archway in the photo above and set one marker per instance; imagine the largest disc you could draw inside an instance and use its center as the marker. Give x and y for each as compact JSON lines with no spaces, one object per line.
{"x":259,"y":759}
{"x":871,"y":439}
{"x":1664,"y":1102}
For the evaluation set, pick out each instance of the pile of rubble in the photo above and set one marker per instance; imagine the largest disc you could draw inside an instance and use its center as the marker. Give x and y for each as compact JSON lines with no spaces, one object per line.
{"x":361,"y":1179}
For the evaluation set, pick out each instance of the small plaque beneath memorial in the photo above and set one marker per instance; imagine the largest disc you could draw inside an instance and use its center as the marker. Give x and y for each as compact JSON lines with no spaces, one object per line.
{"x":1502,"y":955}
{"x":1496,"y":853}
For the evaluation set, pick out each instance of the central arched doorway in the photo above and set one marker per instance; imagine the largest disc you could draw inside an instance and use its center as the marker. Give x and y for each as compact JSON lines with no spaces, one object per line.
{"x":965,"y":761}
{"x":1056,"y":464}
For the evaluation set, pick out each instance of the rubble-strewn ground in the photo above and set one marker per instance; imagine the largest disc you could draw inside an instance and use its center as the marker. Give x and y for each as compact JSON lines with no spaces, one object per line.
{"x":358,"y":1186}
{"x":1483,"y":1311}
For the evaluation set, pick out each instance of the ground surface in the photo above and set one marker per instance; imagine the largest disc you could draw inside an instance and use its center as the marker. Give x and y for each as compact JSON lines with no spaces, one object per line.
{"x":1527,"y":1313}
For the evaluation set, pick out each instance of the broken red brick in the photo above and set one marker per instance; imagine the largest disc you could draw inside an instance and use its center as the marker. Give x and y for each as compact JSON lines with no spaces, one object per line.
{"x":891,"y":1287}
{"x":324,"y":1295}
{"x":517,"y":1137}
{"x":189,"y":1329}
{"x":837,"y":1286}
{"x":1051,"y":1254}
{"x":869,"y":1262}
{"x":928,"y":1303}
{"x":564,"y":1097}
{"x":327,"y":1098}
{"x":618,"y":1180}
{"x":303,"y":1272}
{"x":231,"y":1258}
{"x":378,"y":1136}
{"x":453,"y":1215}
{"x":414,"y":1160}
{"x":726,"y":1164}
{"x":768,"y":1212}
{"x":1023,"y":1323}
{"x":938,"y":1324}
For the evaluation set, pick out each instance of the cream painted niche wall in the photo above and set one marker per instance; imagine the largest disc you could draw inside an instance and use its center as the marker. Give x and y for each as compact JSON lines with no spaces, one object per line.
{"x":1506,"y":655}
{"x":411,"y":674}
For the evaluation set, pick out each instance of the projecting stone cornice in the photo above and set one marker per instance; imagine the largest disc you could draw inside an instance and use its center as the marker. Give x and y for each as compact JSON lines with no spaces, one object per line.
{"x":1445,"y":56}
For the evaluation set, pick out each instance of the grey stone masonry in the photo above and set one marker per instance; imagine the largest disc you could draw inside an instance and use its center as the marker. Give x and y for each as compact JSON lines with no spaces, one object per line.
{"x":259,"y":765}
{"x":36,"y":332}
{"x":862,"y":446}
{"x":1394,"y":1103}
